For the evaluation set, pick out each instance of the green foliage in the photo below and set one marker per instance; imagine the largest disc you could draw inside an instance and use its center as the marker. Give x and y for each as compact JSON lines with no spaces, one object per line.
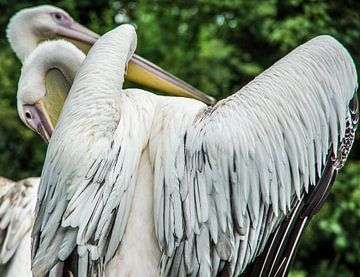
{"x":218,"y":46}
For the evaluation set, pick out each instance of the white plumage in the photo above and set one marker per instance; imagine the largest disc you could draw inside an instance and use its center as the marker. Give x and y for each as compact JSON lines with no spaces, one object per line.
{"x":17,"y":205}
{"x":29,"y":27}
{"x":46,"y":77}
{"x":133,"y":180}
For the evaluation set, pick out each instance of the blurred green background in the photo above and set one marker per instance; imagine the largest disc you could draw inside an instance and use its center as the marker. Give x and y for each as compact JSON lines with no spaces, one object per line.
{"x":217,"y":46}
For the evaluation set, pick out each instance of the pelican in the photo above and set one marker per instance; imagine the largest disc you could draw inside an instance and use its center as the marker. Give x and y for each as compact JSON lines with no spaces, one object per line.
{"x":59,"y":62}
{"x":136,"y":184}
{"x":31,"y":26}
{"x":45,"y":80}
{"x":17,"y":205}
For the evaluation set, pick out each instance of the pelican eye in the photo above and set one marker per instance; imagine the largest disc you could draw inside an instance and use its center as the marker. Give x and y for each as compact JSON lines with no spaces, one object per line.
{"x":58,"y":17}
{"x":28,"y":115}
{"x":61,"y":19}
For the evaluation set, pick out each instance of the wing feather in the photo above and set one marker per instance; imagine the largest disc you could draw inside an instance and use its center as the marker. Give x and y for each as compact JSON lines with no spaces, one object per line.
{"x":85,"y":208}
{"x":17,"y":204}
{"x":247,"y":162}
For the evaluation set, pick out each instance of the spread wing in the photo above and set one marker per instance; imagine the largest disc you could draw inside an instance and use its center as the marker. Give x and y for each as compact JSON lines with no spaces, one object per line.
{"x":17,"y":204}
{"x":230,"y":174}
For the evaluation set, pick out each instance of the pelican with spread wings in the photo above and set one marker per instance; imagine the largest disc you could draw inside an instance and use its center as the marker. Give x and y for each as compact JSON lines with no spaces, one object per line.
{"x":133,"y":180}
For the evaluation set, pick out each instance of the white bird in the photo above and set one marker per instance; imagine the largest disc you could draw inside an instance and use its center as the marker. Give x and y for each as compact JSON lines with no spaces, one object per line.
{"x":132,"y":180}
{"x":46,"y":77}
{"x":45,"y":80}
{"x":17,"y":205}
{"x":31,"y":26}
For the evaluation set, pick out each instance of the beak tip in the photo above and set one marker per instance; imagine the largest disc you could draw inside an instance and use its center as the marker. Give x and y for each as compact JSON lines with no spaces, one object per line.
{"x":212,"y":101}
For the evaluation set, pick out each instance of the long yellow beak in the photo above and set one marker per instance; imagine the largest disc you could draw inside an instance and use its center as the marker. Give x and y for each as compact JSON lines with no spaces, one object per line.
{"x":143,"y":72}
{"x":140,"y":70}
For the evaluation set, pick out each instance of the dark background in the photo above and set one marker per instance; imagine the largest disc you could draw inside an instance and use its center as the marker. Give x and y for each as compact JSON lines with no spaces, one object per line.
{"x":218,"y":46}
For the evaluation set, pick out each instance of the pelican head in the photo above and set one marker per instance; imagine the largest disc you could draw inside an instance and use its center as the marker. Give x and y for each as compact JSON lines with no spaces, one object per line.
{"x":45,"y":80}
{"x":30,"y":26}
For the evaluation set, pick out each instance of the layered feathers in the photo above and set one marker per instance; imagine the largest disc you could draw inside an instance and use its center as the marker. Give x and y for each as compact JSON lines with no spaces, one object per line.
{"x":17,"y":204}
{"x":240,"y":167}
{"x":225,"y":177}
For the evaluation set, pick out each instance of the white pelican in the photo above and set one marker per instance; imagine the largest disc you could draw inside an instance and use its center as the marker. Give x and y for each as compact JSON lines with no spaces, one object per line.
{"x":45,"y":80}
{"x":46,"y":77}
{"x":136,"y":184}
{"x":17,"y":205}
{"x":31,"y":26}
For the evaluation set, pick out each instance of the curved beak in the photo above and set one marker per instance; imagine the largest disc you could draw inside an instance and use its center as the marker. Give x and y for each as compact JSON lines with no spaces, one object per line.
{"x":37,"y":119}
{"x":144,"y":72}
{"x":79,"y":35}
{"x":140,"y":70}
